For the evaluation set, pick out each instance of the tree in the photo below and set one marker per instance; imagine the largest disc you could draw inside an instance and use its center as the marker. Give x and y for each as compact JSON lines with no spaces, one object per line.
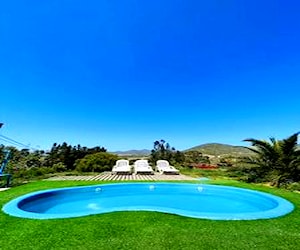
{"x":163,"y":151}
{"x":277,"y":161}
{"x":67,"y":155}
{"x":97,"y":162}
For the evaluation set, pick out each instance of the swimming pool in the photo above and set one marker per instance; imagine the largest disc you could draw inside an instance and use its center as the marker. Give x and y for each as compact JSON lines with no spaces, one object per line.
{"x":192,"y":200}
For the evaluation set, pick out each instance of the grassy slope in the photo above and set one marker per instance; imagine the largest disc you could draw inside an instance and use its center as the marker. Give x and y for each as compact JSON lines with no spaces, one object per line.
{"x":147,"y":230}
{"x":221,"y":149}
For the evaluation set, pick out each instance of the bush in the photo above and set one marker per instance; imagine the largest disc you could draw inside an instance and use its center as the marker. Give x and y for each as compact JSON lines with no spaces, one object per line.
{"x":59,"y":167}
{"x":295,"y":186}
{"x":26,"y":174}
{"x":98,"y":162}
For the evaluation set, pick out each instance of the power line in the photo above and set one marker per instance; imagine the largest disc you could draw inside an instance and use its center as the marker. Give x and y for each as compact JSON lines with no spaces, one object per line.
{"x":14,"y":142}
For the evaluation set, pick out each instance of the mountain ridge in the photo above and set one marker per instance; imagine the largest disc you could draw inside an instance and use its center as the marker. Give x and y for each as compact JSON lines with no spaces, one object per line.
{"x":133,"y":152}
{"x":215,"y":149}
{"x":221,"y":149}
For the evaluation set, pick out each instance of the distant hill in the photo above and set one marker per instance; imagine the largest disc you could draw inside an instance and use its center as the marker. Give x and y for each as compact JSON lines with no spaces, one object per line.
{"x":217,"y":149}
{"x":133,"y":152}
{"x":214,"y":149}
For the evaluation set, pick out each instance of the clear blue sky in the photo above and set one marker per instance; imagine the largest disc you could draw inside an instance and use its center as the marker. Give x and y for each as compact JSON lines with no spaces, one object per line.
{"x":122,"y":74}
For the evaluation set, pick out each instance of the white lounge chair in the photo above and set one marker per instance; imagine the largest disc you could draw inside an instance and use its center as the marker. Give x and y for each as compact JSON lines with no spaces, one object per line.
{"x":142,"y":166}
{"x":164,"y":167}
{"x":121,"y":167}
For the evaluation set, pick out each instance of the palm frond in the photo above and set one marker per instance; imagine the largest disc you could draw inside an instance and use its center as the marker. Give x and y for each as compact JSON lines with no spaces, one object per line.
{"x":266,"y":150}
{"x":252,"y":149}
{"x":289,"y":145}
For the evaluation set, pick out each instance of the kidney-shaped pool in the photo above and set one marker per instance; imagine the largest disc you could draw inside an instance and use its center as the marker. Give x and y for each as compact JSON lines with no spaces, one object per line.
{"x":192,"y":200}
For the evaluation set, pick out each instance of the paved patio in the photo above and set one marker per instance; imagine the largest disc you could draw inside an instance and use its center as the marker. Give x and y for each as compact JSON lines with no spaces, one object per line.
{"x":108,"y":176}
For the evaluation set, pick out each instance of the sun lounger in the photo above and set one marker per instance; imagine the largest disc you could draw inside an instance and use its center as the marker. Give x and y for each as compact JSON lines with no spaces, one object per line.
{"x":142,"y":167}
{"x":121,"y":167}
{"x":164,"y":167}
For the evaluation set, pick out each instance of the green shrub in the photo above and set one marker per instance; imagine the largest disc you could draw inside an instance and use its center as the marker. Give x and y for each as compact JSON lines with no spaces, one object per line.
{"x":295,"y":186}
{"x":59,"y":167}
{"x":32,"y":172}
{"x":97,"y":162}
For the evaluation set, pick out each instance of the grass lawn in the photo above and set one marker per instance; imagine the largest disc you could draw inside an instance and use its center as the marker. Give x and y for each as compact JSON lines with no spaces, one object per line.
{"x":147,"y":230}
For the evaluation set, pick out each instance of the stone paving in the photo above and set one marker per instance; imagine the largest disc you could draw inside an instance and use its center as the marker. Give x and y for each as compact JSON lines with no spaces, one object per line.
{"x":108,"y":176}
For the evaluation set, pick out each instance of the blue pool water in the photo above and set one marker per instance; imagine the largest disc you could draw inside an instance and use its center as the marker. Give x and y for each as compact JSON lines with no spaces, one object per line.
{"x":191,"y":200}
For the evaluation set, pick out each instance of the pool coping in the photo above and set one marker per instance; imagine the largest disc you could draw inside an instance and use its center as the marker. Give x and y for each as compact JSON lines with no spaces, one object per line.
{"x":284,"y":206}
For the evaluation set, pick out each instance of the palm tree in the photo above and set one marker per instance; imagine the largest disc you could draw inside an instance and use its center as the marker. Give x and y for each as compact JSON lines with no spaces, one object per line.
{"x":277,"y":161}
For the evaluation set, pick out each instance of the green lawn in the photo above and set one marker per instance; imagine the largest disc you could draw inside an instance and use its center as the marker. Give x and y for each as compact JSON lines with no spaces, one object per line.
{"x":147,"y":230}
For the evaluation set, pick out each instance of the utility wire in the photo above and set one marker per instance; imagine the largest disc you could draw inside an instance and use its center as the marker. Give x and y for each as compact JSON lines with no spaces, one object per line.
{"x":14,"y":142}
